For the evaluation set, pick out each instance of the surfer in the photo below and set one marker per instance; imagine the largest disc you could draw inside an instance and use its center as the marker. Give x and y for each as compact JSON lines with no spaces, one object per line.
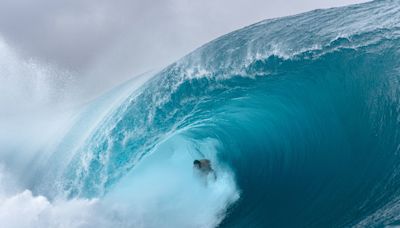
{"x":204,"y":167}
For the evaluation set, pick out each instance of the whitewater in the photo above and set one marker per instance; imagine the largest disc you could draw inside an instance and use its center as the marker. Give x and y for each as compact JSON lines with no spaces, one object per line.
{"x":299,"y":115}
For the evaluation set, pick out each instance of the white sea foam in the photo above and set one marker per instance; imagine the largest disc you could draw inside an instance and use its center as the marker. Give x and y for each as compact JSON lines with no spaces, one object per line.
{"x":160,"y":192}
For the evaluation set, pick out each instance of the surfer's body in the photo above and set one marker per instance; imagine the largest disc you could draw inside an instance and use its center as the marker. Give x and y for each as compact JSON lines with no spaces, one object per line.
{"x":203,"y":166}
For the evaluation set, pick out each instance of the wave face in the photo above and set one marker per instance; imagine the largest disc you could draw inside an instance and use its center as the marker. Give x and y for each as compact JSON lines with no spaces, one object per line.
{"x":299,"y":115}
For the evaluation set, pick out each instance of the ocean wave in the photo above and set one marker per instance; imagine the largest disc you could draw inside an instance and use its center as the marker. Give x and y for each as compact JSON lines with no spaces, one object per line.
{"x":299,"y":116}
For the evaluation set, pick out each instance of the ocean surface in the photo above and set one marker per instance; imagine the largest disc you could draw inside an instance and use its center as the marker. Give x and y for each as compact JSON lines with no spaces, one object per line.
{"x":300,"y":117}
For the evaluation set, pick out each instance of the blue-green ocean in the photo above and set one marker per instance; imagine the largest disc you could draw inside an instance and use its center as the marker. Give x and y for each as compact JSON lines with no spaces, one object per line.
{"x":300,"y":117}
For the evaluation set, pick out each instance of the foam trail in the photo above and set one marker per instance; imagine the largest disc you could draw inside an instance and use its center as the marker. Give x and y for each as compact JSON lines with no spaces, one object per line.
{"x":163,"y":190}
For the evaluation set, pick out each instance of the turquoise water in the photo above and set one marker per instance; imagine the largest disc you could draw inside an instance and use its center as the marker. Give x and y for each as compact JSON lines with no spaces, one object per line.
{"x":301,"y":114}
